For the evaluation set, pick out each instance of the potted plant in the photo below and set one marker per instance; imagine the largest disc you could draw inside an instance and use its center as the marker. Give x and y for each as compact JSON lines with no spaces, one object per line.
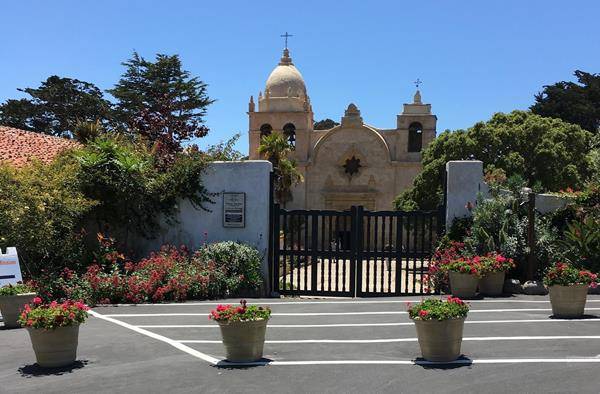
{"x":54,"y":330}
{"x":243,"y":330}
{"x":12,"y":301}
{"x":568,"y":287}
{"x":494,"y":268}
{"x":439,"y":327}
{"x":464,"y":274}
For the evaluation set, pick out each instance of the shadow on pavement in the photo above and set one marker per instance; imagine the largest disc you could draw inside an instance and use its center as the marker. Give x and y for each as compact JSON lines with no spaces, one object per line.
{"x":33,"y":370}
{"x":586,"y":316}
{"x":224,"y":364}
{"x":462,"y":361}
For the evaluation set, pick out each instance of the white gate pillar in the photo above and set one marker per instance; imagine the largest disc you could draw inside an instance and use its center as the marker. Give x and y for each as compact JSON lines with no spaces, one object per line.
{"x":464,"y":180}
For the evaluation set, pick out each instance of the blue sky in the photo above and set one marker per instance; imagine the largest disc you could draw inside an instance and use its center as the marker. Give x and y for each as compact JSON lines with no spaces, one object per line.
{"x":475,"y":57}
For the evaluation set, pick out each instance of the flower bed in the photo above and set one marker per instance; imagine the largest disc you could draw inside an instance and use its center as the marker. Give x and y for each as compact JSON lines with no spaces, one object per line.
{"x":173,"y":274}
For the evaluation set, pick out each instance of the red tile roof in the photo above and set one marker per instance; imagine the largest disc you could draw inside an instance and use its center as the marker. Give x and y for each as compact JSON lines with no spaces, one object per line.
{"x":18,"y":147}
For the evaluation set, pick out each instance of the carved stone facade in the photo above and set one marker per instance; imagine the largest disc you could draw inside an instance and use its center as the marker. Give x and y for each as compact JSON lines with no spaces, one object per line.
{"x":350,"y":164}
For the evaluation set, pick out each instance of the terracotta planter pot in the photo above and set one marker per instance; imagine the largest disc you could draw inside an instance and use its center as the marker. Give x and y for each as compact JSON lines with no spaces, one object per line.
{"x":55,"y":348}
{"x":492,"y":283}
{"x":11,"y":307}
{"x":244,"y":341}
{"x":463,"y":285}
{"x":568,"y":301}
{"x":440,"y":340}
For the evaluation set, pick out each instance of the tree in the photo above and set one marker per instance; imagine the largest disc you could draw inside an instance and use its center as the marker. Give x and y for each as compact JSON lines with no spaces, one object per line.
{"x":577,"y":103}
{"x":276,"y":148}
{"x":325,"y":124}
{"x":161,"y":102}
{"x":56,"y":106}
{"x":547,"y":153}
{"x":225,"y":150}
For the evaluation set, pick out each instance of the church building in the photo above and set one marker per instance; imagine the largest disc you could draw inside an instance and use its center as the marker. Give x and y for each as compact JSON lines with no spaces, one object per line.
{"x":350,"y":164}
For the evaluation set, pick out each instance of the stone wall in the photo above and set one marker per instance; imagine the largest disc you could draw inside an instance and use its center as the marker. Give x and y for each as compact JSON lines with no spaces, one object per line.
{"x":196,"y":226}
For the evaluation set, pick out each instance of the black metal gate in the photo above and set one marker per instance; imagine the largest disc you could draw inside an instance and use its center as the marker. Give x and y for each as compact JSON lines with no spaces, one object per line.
{"x":352,"y":253}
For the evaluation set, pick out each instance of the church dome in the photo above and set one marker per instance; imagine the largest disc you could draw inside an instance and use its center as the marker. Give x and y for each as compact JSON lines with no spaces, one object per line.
{"x":285,"y":80}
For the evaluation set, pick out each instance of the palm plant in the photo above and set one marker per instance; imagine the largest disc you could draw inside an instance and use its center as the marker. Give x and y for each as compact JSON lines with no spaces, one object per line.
{"x":276,"y":149}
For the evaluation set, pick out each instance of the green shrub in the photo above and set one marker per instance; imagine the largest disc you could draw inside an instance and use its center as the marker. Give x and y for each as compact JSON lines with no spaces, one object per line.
{"x":19,"y":288}
{"x":240,"y":264}
{"x":43,"y":214}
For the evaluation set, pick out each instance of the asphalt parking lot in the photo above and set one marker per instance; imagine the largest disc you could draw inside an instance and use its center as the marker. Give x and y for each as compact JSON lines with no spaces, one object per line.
{"x":319,"y":346}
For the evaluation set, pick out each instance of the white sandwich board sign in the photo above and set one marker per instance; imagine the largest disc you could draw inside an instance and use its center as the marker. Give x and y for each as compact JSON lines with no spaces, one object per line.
{"x":10,"y":270}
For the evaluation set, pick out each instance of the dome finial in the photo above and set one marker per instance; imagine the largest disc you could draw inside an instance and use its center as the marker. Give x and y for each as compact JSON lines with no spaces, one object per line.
{"x":286,"y":60}
{"x":417,"y":98}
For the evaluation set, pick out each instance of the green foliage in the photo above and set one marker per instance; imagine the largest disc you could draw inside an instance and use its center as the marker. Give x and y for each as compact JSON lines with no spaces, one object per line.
{"x":547,"y":153}
{"x":325,"y":124}
{"x":19,"y":288}
{"x":286,"y":175}
{"x":131,"y":192}
{"x":576,"y":103}
{"x":56,"y":106}
{"x":582,"y":243}
{"x":240,"y":263}
{"x":436,"y":309}
{"x":500,"y":225}
{"x":225,"y":150}
{"x":43,"y":213}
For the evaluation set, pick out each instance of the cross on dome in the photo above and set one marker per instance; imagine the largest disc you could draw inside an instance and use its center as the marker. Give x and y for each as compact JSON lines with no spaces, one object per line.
{"x":286,"y":35}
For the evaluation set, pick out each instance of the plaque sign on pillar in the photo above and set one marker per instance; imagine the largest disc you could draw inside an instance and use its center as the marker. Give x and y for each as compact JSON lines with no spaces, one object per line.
{"x":234,"y":209}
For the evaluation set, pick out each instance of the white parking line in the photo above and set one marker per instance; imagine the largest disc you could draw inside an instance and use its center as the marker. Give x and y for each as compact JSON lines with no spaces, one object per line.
{"x":394,"y":340}
{"x":372,"y":324}
{"x":341,"y":313}
{"x":464,"y":361}
{"x":275,"y":302}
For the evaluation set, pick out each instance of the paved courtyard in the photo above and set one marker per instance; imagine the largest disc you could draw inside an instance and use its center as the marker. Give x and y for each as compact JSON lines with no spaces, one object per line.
{"x":318,"y":346}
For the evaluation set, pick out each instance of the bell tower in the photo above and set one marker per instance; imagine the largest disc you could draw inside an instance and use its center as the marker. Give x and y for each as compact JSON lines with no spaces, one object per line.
{"x":416,"y":127}
{"x":284,"y":107}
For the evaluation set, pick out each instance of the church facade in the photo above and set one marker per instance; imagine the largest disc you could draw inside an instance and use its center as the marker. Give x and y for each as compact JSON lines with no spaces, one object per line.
{"x":350,"y":164}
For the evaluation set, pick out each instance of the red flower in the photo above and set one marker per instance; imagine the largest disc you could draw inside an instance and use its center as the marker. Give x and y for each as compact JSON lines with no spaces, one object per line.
{"x":423,"y":313}
{"x":37,"y":301}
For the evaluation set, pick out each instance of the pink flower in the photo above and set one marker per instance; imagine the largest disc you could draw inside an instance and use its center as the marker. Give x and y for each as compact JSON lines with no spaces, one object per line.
{"x":37,"y":301}
{"x":423,"y":313}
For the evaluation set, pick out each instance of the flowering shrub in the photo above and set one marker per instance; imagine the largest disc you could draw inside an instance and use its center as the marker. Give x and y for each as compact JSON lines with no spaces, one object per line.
{"x":230,"y":313}
{"x":437,"y":274}
{"x":19,"y":288}
{"x":495,"y":262}
{"x":437,"y":309}
{"x":172,"y":274}
{"x":456,"y":258}
{"x":563,"y":274}
{"x":53,"y":315}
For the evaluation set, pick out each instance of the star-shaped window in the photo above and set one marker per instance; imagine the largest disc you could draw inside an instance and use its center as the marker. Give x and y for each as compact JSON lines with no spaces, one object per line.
{"x":352,"y":165}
